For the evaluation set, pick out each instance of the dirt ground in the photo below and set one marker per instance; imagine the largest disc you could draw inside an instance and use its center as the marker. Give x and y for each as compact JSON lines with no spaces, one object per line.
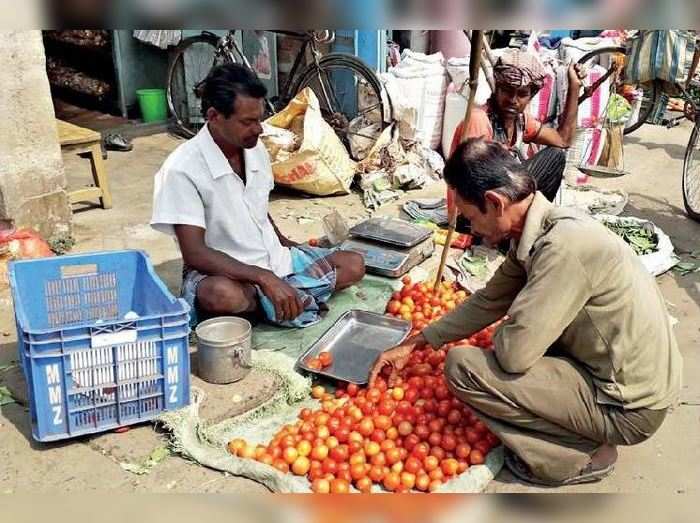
{"x":668,"y":462}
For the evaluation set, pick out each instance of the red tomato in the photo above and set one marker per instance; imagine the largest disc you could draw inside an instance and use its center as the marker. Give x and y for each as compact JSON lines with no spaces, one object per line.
{"x":476,"y":457}
{"x":449,"y":467}
{"x":340,"y":486}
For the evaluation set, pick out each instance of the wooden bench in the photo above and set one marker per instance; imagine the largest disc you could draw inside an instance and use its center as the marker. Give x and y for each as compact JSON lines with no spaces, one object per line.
{"x":82,"y":141}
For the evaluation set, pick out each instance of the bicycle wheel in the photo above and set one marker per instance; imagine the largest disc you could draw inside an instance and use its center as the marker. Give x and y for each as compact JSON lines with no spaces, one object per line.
{"x":691,"y":175}
{"x":349,"y":95}
{"x":192,"y":60}
{"x":606,"y":57}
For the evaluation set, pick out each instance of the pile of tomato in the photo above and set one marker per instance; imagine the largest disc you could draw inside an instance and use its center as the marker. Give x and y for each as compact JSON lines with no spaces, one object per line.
{"x":413,"y":436}
{"x":422,"y":305}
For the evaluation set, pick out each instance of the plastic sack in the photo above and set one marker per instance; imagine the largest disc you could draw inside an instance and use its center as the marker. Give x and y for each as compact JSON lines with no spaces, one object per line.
{"x":659,"y":55}
{"x":417,"y":88}
{"x":321,"y":166}
{"x":25,"y":244}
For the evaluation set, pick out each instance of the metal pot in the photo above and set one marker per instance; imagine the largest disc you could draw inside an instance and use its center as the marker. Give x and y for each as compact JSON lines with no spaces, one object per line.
{"x":224,"y":349}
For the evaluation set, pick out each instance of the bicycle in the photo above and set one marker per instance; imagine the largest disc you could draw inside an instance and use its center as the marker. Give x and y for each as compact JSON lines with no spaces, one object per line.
{"x":655,"y":97}
{"x":346,"y":88}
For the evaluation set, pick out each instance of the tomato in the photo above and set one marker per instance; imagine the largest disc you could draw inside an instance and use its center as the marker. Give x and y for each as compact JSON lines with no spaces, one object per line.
{"x":476,"y":457}
{"x":290,"y":454}
{"x":426,"y":393}
{"x":314,"y":364}
{"x":436,"y":425}
{"x":357,"y":471}
{"x":471,"y":436}
{"x":393,"y":307}
{"x":387,"y":444}
{"x":434,"y":485}
{"x":342,"y":434}
{"x":480,"y":427}
{"x":438,"y":452}
{"x":403,"y":407}
{"x":387,"y":407}
{"x":391,"y":481}
{"x":281,"y":465}
{"x":437,"y":474}
{"x":413,"y":465}
{"x":354,"y":446}
{"x":462,"y":466}
{"x":304,"y":448}
{"x":339,"y":454}
{"x":449,"y":467}
{"x":405,"y":428}
{"x":301,"y":466}
{"x":392,"y":456}
{"x":366,"y":427}
{"x":392,"y":433}
{"x":319,"y":452}
{"x":462,"y":451}
{"x":344,"y":475}
{"x":321,"y":486}
{"x":421,"y":451}
{"x":235,"y":446}
{"x":323,"y":432}
{"x":410,"y":442}
{"x":422,"y":482}
{"x":340,"y":486}
{"x":434,"y":439}
{"x":430,"y":463}
{"x":406,"y":280}
{"x":364,"y":485}
{"x":482,"y":446}
{"x":329,"y":466}
{"x":408,"y":480}
{"x":325,"y":358}
{"x":332,"y":442}
{"x":372,"y":448}
{"x":449,"y":442}
{"x":317,"y":392}
{"x":373,"y":395}
{"x":382,"y":422}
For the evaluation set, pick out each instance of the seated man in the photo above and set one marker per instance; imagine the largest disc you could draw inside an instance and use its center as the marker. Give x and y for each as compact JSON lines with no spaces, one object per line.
{"x":213,"y":192}
{"x":586,"y":358}
{"x":518,"y":76}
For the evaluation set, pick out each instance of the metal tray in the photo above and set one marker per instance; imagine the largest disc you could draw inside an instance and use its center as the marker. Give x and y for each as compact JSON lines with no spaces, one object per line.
{"x":392,"y":231}
{"x":356,"y":340}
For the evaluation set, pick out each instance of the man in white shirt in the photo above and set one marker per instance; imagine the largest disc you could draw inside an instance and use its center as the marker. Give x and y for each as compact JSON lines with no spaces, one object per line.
{"x":212,"y":193}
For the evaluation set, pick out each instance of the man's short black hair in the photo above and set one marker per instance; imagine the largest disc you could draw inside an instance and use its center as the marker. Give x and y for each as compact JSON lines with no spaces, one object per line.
{"x":478,"y":166}
{"x":224,"y":83}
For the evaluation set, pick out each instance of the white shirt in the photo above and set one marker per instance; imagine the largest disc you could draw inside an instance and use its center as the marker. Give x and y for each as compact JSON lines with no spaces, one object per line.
{"x":197,"y":186}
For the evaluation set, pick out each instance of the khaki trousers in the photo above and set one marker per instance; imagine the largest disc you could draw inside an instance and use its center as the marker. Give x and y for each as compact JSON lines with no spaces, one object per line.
{"x":549,"y":415}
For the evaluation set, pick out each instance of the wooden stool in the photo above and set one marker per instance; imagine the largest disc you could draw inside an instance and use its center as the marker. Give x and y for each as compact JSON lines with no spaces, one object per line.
{"x":79,"y":140}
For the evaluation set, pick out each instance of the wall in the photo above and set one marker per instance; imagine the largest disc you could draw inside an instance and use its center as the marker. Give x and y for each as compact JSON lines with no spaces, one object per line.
{"x":32,"y":181}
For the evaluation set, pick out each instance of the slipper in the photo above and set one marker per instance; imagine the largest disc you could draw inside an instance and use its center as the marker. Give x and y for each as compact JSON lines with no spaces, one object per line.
{"x":117,"y":142}
{"x":521,"y":471}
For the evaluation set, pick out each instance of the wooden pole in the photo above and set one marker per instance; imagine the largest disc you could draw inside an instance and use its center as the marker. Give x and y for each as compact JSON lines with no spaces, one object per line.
{"x":474,"y":63}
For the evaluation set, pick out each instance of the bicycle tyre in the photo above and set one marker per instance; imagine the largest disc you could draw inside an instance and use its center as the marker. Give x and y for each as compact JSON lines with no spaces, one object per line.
{"x":341,"y":61}
{"x":651,"y":91}
{"x":691,"y":175}
{"x":177,"y":92}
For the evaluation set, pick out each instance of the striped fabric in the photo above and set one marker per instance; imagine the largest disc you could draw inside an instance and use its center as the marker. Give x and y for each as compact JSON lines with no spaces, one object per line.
{"x":659,"y":55}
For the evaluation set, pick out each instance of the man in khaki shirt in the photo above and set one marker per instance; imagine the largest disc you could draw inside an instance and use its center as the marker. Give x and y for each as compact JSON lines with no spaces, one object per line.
{"x":586,"y":359}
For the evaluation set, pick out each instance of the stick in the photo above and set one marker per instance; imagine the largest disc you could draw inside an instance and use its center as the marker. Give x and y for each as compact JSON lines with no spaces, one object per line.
{"x":486,"y":50}
{"x":474,"y":63}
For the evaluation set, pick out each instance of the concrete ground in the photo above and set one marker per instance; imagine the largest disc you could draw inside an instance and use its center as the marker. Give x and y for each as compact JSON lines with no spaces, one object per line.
{"x":669,"y":462}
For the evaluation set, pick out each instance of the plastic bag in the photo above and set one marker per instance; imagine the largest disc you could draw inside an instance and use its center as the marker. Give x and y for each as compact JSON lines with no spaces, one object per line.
{"x":321,"y":166}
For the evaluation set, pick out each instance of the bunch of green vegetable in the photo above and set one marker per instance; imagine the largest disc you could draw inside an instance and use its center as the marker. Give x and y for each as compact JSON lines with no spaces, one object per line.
{"x":640,"y":236}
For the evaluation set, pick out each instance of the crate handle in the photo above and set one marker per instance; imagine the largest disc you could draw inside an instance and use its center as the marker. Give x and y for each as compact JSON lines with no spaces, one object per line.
{"x":72,"y":271}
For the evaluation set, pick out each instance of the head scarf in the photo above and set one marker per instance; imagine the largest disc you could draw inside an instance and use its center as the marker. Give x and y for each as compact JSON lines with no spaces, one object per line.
{"x":519,"y":69}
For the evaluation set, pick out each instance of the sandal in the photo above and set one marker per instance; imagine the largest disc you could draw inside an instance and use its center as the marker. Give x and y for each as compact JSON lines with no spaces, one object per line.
{"x":117,"y":142}
{"x":521,"y":471}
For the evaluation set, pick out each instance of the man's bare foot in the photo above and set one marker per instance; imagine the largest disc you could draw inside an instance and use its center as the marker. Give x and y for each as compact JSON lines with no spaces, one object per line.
{"x":605,"y":456}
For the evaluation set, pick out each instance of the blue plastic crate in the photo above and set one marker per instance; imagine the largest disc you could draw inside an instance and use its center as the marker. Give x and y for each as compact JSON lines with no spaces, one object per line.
{"x":102,"y":342}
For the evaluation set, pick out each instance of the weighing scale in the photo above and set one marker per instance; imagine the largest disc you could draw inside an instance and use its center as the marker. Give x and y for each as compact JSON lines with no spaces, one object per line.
{"x":390,"y":247}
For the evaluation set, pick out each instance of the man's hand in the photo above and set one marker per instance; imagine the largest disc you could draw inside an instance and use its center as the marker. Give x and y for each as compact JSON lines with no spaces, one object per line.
{"x":396,"y":358}
{"x":283,"y":296}
{"x":576,"y":76}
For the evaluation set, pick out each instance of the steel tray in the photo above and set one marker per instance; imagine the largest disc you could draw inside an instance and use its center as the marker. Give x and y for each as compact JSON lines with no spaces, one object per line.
{"x":392,"y":231}
{"x":356,"y":339}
